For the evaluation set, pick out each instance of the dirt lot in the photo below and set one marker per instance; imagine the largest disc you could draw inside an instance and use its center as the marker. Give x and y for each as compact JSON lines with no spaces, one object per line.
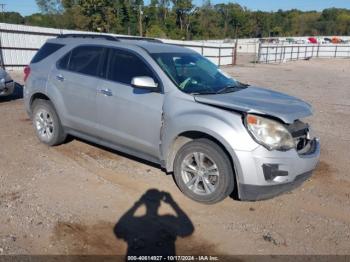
{"x":75,"y":198}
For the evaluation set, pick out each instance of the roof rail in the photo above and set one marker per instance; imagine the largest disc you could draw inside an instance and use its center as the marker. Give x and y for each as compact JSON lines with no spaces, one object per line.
{"x":140,"y":38}
{"x":106,"y":37}
{"x":109,"y":37}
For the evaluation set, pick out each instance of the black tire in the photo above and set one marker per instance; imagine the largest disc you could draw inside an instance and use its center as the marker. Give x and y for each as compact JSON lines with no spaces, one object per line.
{"x":58,"y":135}
{"x":225,"y":181}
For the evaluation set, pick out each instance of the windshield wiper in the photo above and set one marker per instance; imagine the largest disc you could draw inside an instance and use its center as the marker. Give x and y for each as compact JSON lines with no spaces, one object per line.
{"x":226,"y":89}
{"x":203,"y":93}
{"x":243,"y":84}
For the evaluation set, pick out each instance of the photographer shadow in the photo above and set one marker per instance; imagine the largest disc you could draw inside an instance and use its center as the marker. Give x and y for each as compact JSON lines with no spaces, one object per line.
{"x":153,"y":234}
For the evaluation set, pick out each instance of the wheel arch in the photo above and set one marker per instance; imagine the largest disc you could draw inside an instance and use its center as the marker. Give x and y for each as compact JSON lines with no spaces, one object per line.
{"x":189,"y":135}
{"x":43,"y":96}
{"x":35,"y":96}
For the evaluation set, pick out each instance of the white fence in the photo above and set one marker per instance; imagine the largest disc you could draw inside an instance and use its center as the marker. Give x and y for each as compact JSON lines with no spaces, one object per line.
{"x":282,"y":53}
{"x":220,"y":54}
{"x":244,"y":45}
{"x":19,"y":43}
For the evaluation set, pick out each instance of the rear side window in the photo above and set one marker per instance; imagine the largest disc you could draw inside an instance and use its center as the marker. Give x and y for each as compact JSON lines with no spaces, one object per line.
{"x":84,"y":59}
{"x":46,"y":50}
{"x":64,"y":61}
{"x":123,"y":66}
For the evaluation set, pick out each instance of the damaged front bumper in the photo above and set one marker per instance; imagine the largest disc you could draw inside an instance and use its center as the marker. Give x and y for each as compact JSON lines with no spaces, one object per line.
{"x":265,"y":174}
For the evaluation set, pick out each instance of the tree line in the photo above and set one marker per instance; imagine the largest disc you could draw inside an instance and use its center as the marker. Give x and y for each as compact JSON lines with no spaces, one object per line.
{"x":181,"y":19}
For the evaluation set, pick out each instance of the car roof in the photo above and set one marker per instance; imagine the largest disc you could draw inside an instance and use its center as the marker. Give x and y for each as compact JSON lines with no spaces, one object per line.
{"x":150,"y":45}
{"x":153,"y":47}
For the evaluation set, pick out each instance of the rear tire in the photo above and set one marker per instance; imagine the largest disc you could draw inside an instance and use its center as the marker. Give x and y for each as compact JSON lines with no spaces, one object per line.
{"x":47,"y":124}
{"x":203,"y":171}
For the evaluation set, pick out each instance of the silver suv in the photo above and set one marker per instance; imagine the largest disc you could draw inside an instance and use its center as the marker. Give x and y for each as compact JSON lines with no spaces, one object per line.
{"x":169,"y":105}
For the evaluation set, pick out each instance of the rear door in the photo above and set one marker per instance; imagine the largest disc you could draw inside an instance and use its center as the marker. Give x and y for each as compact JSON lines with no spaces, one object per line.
{"x":76,"y":78}
{"x":128,"y":116}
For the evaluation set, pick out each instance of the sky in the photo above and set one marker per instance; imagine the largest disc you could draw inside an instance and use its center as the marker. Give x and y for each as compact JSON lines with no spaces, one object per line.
{"x":27,"y":7}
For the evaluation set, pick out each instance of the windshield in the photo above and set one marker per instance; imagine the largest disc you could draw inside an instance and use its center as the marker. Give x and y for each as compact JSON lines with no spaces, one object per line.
{"x":194,"y":74}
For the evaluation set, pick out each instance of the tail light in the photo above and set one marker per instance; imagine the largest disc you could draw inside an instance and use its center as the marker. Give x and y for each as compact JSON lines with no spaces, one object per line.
{"x":26,"y":73}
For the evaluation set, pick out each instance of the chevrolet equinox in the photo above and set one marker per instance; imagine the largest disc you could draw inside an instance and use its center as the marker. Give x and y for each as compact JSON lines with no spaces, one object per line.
{"x":169,"y":105}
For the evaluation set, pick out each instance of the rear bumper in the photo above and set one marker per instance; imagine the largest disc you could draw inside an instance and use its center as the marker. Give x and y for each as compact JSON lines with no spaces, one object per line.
{"x":265,"y":174}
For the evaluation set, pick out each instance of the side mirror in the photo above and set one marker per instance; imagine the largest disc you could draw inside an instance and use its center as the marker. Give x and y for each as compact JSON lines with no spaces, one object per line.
{"x":144,"y":82}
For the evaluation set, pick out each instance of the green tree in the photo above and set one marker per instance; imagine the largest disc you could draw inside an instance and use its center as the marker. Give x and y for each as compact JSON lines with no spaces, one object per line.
{"x":182,"y":9}
{"x":180,"y":19}
{"x":50,"y":6}
{"x":41,"y":20}
{"x":343,"y":23}
{"x":155,"y":31}
{"x":12,"y":18}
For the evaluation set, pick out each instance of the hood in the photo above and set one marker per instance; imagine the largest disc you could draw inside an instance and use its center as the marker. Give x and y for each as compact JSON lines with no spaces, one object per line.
{"x":260,"y":101}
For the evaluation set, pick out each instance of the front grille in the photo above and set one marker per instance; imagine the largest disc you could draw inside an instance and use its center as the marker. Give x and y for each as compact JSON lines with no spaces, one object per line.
{"x":300,"y":134}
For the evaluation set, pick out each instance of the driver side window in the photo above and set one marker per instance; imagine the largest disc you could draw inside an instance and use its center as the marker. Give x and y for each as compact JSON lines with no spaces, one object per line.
{"x":123,"y":66}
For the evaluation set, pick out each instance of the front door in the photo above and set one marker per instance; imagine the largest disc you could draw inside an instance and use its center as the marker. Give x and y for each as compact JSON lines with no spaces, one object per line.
{"x":129,"y":117}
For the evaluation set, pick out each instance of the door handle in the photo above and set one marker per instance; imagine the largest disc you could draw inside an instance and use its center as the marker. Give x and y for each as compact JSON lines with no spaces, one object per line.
{"x":106,"y":92}
{"x":60,"y":78}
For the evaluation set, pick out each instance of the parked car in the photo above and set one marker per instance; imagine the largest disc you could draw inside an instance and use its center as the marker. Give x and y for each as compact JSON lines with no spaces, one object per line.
{"x":290,"y":40}
{"x":328,"y":40}
{"x":7,"y":85}
{"x":170,"y":105}
{"x":336,"y":40}
{"x":300,"y":42}
{"x":312,"y":40}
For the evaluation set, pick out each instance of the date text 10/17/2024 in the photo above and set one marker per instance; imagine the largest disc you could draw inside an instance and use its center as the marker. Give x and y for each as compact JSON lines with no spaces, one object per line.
{"x":172,"y":258}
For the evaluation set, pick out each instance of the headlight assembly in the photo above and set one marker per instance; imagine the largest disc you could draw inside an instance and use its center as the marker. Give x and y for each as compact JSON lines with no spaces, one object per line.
{"x":269,"y":133}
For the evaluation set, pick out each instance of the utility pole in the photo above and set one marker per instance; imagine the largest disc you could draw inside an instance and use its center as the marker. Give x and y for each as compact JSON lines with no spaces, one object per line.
{"x":2,"y":6}
{"x":236,"y":45}
{"x":140,"y":19}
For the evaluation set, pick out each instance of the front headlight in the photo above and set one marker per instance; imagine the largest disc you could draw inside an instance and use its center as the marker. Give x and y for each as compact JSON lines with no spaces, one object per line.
{"x":269,"y":133}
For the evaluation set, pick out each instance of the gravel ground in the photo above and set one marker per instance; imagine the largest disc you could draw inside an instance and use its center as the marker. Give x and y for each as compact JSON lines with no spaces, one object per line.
{"x":74,"y":198}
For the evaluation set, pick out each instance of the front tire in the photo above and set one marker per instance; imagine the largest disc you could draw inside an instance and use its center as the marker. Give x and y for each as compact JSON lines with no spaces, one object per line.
{"x":203,"y":171}
{"x":47,"y":125}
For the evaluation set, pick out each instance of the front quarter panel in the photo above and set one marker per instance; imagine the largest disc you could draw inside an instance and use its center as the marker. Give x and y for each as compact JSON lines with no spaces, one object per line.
{"x":183,"y":114}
